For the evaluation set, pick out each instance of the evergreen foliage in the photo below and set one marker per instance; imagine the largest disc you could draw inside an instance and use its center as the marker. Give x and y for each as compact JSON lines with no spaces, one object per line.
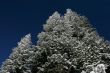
{"x":67,"y":44}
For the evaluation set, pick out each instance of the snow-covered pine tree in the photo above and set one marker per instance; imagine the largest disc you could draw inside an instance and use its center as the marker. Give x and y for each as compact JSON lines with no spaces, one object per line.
{"x":68,"y":44}
{"x":25,"y":58}
{"x":19,"y":57}
{"x":70,"y":41}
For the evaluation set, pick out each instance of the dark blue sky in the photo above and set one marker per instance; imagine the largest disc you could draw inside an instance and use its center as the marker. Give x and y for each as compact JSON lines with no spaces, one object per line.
{"x":20,"y":17}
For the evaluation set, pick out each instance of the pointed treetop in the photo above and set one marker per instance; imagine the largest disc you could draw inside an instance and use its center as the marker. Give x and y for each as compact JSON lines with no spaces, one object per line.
{"x":55,"y":15}
{"x":52,"y":21}
{"x":25,"y":41}
{"x":70,"y":15}
{"x":69,"y":11}
{"x":28,"y":36}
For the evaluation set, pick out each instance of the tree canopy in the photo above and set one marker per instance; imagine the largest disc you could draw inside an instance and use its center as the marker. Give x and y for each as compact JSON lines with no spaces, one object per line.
{"x":68,"y":43}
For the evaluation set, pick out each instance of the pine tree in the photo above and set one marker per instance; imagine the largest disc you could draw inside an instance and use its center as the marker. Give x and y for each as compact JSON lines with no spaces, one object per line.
{"x":18,"y":58}
{"x":69,"y":41}
{"x":68,"y":44}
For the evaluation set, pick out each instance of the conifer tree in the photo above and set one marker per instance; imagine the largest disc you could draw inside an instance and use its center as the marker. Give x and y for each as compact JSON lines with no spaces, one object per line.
{"x":18,"y":58}
{"x":70,"y":41}
{"x":67,"y":44}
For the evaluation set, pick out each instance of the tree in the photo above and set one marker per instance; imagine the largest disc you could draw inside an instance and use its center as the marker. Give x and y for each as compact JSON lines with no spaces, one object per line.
{"x":71,"y":35}
{"x":67,"y":44}
{"x":18,"y":58}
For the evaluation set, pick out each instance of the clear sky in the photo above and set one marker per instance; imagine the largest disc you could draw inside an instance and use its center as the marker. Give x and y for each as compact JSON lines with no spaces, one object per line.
{"x":20,"y":17}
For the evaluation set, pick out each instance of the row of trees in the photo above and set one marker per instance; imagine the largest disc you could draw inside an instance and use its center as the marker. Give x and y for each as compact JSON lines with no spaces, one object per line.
{"x":67,"y":44}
